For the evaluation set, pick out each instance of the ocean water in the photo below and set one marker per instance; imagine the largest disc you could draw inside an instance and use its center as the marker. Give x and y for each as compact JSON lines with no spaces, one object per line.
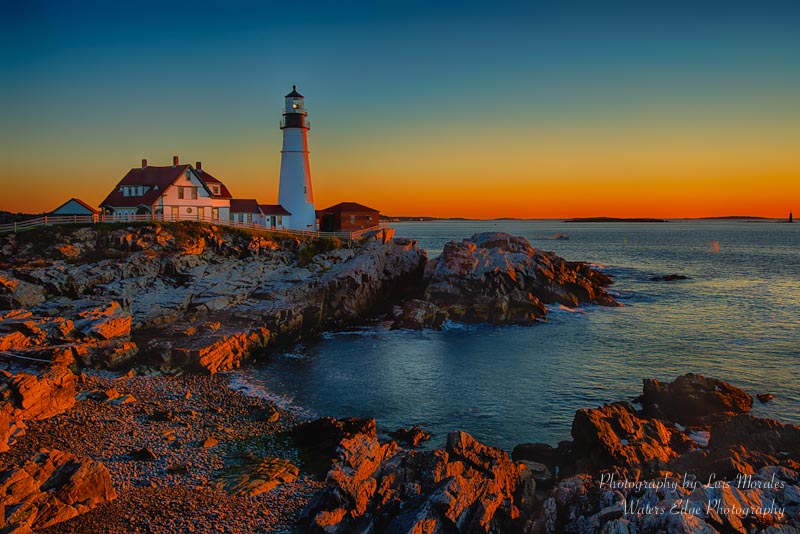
{"x":737,"y":318}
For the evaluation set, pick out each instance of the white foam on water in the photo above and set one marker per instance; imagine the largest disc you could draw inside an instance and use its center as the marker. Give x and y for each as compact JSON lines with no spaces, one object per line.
{"x":243,"y":384}
{"x":560,"y":308}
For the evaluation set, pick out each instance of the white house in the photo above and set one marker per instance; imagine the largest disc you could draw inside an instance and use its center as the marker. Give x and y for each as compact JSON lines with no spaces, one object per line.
{"x":275,"y":216}
{"x":178,"y":192}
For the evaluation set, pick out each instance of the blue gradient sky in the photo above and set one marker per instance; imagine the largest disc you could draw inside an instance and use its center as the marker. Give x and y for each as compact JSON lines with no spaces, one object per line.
{"x":455,"y":108}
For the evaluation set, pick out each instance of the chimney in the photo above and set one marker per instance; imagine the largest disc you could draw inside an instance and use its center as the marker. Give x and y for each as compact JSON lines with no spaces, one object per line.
{"x":199,"y":165}
{"x":174,"y":161}
{"x":144,"y":163}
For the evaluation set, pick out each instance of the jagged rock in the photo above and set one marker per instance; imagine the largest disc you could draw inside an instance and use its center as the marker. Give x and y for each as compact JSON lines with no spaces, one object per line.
{"x":420,"y":314}
{"x":413,"y":436}
{"x":583,"y":504}
{"x":217,"y":353}
{"x":51,"y":487}
{"x":613,"y":435}
{"x":468,"y":487}
{"x":320,"y":438}
{"x":756,"y":434}
{"x":16,"y":293}
{"x":105,"y":322}
{"x":32,"y":396}
{"x":499,"y":278}
{"x":693,"y":399}
{"x":175,"y":285}
{"x":764,"y":398}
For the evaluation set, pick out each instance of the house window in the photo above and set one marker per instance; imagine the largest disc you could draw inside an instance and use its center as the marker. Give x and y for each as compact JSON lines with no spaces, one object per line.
{"x":280,"y":220}
{"x":181,"y":193}
{"x":215,"y":213}
{"x":215,"y":189}
{"x":194,"y":192}
{"x":352,"y":219}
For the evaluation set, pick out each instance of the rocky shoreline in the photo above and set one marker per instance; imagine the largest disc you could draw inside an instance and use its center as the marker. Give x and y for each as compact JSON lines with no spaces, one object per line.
{"x":116,"y":414}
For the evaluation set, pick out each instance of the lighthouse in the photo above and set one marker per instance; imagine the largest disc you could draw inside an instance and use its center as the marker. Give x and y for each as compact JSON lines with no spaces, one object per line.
{"x":295,"y":192}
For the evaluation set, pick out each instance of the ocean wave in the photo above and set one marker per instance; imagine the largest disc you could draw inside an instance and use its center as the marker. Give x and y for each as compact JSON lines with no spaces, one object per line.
{"x":247,"y":386}
{"x":560,"y":308}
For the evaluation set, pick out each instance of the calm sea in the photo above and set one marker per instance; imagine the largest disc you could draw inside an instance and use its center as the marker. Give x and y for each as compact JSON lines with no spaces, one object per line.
{"x":737,"y":318}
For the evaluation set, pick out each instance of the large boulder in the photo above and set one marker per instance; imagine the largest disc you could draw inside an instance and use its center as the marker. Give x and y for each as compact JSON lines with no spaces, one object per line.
{"x":467,"y":487}
{"x":16,"y":293}
{"x":26,"y":396}
{"x":500,"y":278}
{"x":615,"y":436}
{"x":693,"y":399}
{"x":51,"y":487}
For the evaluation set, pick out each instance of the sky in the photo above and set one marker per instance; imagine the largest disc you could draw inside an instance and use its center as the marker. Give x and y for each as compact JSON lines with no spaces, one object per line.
{"x":450,"y":109}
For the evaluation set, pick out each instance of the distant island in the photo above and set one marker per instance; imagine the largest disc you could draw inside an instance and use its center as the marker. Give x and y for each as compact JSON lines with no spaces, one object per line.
{"x":616,"y":219}
{"x":734,"y":217}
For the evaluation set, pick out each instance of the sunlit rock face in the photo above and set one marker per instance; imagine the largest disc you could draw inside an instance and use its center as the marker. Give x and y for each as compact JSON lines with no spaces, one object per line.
{"x":500,"y":278}
{"x":51,"y":487}
{"x":378,"y":487}
{"x":189,"y":295}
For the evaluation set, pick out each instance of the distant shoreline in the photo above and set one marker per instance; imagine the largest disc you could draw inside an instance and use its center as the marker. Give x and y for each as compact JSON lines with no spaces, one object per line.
{"x":616,"y":219}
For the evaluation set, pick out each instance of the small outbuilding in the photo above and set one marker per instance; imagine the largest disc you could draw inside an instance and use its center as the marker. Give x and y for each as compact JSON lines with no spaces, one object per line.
{"x":347,"y":217}
{"x":275,"y":216}
{"x":75,"y":206}
{"x":245,"y":210}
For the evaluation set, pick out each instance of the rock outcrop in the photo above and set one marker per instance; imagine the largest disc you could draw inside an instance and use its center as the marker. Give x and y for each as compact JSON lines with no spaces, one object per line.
{"x":730,"y":472}
{"x":26,"y":396}
{"x":373,"y":487}
{"x":693,"y":399}
{"x":500,"y":278}
{"x":51,"y":487}
{"x":192,"y":295}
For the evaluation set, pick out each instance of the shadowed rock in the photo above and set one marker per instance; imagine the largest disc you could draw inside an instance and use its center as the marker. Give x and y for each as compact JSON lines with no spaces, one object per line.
{"x":693,"y":399}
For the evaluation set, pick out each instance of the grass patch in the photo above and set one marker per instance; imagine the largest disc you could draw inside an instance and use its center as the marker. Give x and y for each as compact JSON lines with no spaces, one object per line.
{"x":318,"y":246}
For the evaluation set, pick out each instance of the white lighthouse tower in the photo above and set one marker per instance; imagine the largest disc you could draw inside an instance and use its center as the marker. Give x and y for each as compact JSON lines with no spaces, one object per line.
{"x":295,"y":193}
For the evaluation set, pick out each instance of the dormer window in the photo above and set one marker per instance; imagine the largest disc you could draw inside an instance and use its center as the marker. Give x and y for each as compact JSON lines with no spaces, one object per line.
{"x":215,"y":189}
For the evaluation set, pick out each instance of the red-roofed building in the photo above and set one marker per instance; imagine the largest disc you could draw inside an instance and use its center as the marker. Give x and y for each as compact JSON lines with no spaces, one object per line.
{"x":275,"y":215}
{"x":347,"y":217}
{"x":245,"y":210}
{"x":178,"y":192}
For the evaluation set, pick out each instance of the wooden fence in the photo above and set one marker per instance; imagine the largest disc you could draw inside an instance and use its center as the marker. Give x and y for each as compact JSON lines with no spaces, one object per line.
{"x":57,"y":220}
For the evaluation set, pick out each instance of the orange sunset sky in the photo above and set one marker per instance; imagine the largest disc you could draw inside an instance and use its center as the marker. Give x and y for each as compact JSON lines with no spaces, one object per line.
{"x":473,"y":111}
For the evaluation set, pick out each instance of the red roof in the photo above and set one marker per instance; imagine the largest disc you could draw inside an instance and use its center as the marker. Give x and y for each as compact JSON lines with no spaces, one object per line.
{"x":79,"y":201}
{"x":273,"y":209}
{"x":156,"y":178}
{"x":208,"y":179}
{"x":245,"y":205}
{"x":349,"y":206}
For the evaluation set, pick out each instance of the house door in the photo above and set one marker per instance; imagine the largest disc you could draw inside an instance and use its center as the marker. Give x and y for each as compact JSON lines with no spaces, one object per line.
{"x":201,"y":213}
{"x":175,"y":213}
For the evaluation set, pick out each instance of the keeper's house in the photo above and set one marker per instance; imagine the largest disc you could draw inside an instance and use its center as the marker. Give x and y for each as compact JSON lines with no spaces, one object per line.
{"x":178,"y":192}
